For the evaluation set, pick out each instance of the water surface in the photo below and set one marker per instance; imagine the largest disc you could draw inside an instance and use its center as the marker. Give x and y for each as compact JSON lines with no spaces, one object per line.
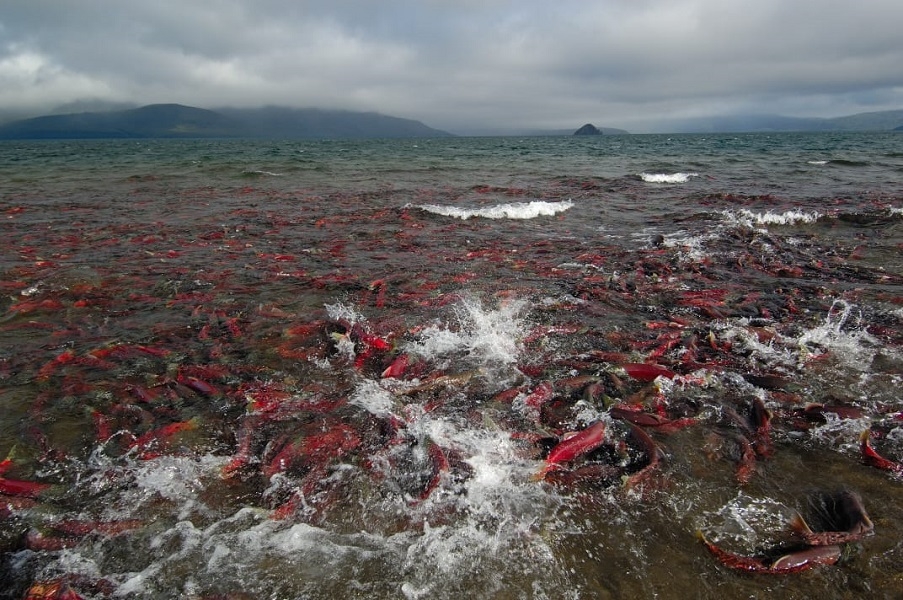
{"x":334,"y":369}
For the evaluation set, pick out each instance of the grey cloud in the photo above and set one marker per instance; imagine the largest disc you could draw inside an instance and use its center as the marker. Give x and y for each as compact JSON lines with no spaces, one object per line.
{"x":461,"y":64}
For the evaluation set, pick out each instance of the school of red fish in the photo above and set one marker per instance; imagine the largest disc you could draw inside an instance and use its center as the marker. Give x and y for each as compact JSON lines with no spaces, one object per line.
{"x":163,"y":347}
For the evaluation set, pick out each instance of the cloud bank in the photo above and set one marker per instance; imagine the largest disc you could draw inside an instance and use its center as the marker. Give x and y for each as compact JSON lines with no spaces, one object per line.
{"x":462,"y":65}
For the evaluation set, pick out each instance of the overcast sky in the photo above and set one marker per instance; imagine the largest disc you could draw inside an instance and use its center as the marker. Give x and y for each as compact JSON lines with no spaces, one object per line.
{"x":461,"y":65}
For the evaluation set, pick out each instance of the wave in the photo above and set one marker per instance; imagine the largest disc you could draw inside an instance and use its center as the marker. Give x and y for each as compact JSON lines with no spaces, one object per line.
{"x":259,"y":173}
{"x":848,"y":163}
{"x":790,"y":217}
{"x":515,"y":210}
{"x":667,"y":177}
{"x":838,"y":162}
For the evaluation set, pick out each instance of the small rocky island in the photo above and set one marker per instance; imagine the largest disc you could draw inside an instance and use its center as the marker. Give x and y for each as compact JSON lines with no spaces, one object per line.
{"x":588,"y":129}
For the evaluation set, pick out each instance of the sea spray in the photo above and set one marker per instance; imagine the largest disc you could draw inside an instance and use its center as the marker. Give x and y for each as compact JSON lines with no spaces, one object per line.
{"x":478,"y":337}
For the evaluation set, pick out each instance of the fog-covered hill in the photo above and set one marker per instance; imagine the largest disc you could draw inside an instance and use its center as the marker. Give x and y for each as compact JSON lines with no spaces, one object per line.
{"x":178,"y":121}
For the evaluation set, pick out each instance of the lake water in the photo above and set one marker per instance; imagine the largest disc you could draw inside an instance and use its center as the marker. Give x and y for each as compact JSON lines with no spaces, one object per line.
{"x":265,"y":369}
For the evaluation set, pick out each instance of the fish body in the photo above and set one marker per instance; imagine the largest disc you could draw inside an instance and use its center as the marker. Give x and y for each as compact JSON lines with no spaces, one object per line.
{"x":760,"y":419}
{"x":146,"y":445}
{"x":873,"y":459}
{"x":574,"y":446}
{"x":792,"y":562}
{"x":653,"y":454}
{"x":27,"y":489}
{"x":397,"y":367}
{"x":802,"y":560}
{"x":647,"y":371}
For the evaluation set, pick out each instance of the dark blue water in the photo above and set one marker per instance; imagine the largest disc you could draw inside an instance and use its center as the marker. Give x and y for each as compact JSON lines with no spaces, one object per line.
{"x":335,"y":369}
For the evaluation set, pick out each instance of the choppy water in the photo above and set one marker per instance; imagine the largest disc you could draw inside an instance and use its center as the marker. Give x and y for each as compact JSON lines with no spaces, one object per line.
{"x":335,"y":369}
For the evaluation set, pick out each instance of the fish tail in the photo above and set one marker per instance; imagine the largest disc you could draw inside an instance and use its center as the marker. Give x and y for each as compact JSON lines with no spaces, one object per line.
{"x":546,"y":468}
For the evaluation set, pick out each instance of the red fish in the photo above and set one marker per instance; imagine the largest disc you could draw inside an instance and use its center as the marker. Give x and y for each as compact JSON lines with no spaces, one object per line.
{"x":572,"y":447}
{"x":540,"y":395}
{"x":314,"y":451}
{"x":873,"y":459}
{"x":145,"y":443}
{"x":49,"y":368}
{"x":653,"y":457}
{"x":760,"y":418}
{"x":792,"y":562}
{"x":28,"y":489}
{"x":440,"y":466}
{"x":198,"y":385}
{"x":648,"y":419}
{"x":397,"y":368}
{"x":647,"y":371}
{"x":746,"y":464}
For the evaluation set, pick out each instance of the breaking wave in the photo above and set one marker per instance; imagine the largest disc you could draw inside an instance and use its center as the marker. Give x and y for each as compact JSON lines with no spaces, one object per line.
{"x":750,"y":218}
{"x":514,"y":210}
{"x":667,"y":177}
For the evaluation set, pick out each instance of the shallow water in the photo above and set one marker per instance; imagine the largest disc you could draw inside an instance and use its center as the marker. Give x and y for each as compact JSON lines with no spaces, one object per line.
{"x":195,"y":337}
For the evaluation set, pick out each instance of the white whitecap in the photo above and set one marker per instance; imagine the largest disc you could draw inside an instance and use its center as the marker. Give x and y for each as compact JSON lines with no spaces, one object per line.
{"x":749,"y":218}
{"x":667,"y":177}
{"x":514,"y":210}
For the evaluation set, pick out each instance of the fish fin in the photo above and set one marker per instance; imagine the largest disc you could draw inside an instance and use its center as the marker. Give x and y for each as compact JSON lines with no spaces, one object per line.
{"x":799,"y":526}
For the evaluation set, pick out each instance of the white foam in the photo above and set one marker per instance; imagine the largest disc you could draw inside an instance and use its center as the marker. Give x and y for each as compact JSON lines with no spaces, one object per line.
{"x":839,"y":433}
{"x":343,"y":312}
{"x":746,"y":521}
{"x":485,"y":337}
{"x":749,"y":218}
{"x":817,"y":162}
{"x":370,"y":396}
{"x":500,"y":511}
{"x":741,"y":336}
{"x":843,"y":333}
{"x":691,"y":248}
{"x":175,"y":478}
{"x":667,"y":177}
{"x":515,"y":210}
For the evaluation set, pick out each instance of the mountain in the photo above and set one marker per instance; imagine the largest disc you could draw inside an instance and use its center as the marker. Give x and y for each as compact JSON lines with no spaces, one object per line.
{"x":556,"y":132}
{"x":155,"y":120}
{"x":881,"y":120}
{"x":178,"y":121}
{"x":315,"y":123}
{"x":588,"y":129}
{"x":886,"y":120}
